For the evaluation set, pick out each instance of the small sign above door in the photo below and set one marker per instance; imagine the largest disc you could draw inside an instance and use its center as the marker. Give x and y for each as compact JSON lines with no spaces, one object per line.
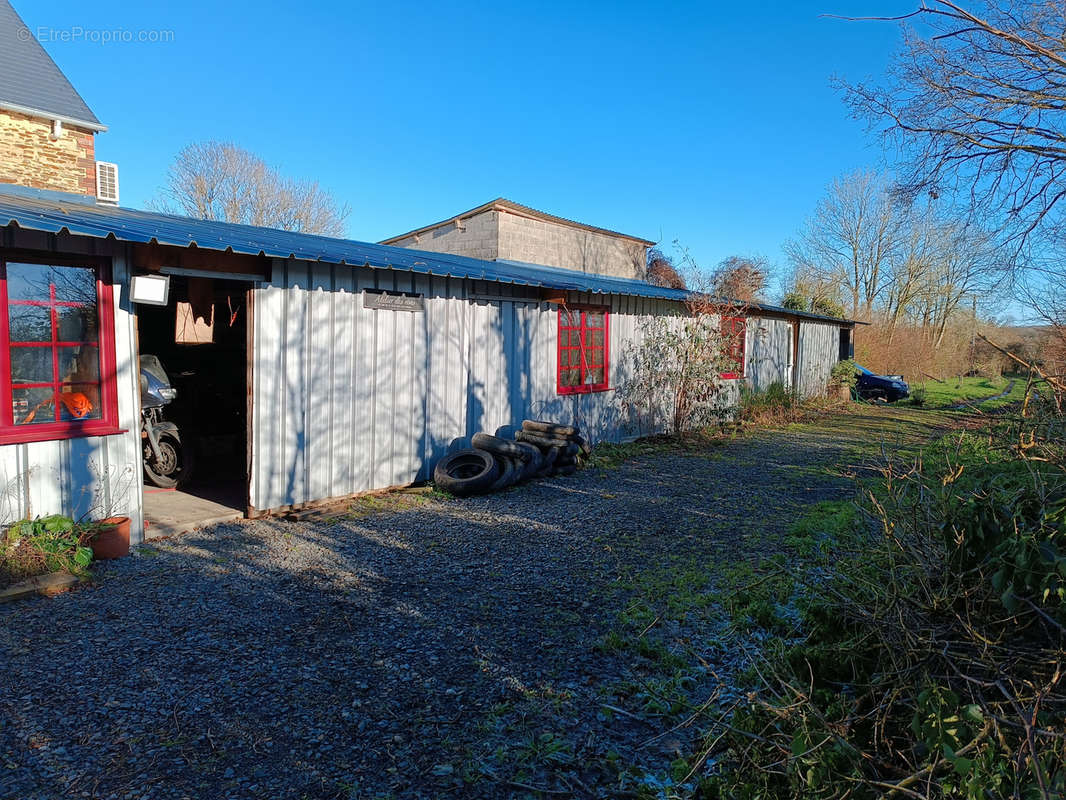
{"x":393,"y":301}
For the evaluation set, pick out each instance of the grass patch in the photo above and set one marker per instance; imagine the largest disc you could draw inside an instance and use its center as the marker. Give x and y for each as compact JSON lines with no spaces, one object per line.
{"x":975,"y":390}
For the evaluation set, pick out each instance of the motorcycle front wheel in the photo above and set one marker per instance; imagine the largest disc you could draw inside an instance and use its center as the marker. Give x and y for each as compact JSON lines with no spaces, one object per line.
{"x":175,"y":465}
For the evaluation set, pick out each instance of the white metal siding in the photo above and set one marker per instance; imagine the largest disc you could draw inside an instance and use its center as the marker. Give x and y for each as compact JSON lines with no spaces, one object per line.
{"x":819,"y":351}
{"x":93,"y":475}
{"x":349,"y":399}
{"x":769,"y":343}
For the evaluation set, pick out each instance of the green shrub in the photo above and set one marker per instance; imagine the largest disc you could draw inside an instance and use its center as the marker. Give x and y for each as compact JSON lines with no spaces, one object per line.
{"x":910,"y":679}
{"x":844,"y":373}
{"x":1010,"y":522}
{"x":828,"y":308}
{"x":45,"y":544}
{"x":918,"y":396}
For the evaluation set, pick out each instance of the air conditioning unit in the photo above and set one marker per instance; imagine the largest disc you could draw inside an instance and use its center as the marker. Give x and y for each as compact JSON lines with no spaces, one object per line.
{"x":106,"y":182}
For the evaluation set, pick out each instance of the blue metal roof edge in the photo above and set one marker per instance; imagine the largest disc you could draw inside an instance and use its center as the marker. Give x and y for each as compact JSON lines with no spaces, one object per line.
{"x":55,"y":212}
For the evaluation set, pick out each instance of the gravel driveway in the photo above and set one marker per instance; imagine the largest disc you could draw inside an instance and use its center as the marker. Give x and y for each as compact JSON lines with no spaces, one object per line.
{"x":429,"y":648}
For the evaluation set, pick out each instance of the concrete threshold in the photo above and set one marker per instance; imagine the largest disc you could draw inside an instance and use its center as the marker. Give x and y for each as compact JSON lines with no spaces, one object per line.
{"x":169,"y":513}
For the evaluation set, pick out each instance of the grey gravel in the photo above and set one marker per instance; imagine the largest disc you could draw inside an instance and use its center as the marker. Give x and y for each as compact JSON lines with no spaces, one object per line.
{"x":385,"y":655}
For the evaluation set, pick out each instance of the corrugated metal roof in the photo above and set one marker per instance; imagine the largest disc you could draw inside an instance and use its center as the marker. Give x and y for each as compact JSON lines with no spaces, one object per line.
{"x":55,"y":212}
{"x":30,"y":81}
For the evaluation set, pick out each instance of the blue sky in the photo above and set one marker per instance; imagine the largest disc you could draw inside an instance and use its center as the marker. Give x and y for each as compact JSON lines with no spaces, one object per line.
{"x":710,"y":123}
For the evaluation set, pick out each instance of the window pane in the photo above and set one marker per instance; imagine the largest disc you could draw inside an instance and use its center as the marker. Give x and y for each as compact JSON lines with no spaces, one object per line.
{"x":30,"y":323}
{"x":594,"y":319}
{"x":594,"y":376}
{"x":570,"y":377}
{"x":33,"y":282}
{"x":79,"y":402}
{"x":76,"y":324}
{"x":31,"y":365}
{"x":32,"y":406}
{"x":79,"y":364}
{"x":571,"y":319}
{"x":75,"y":284}
{"x":594,"y":338}
{"x":594,"y":356}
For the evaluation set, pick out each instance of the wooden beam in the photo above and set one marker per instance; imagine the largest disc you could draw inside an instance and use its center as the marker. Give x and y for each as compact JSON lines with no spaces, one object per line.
{"x":153,"y":257}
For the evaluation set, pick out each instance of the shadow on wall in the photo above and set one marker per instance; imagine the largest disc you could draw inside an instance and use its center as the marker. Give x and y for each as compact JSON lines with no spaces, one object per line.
{"x":72,"y":477}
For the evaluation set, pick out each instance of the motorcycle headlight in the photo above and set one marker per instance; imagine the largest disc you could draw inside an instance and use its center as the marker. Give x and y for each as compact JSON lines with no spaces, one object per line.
{"x":168,"y":393}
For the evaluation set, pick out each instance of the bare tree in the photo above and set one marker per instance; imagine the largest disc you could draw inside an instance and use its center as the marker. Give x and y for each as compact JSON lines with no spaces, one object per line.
{"x":978,"y":103}
{"x":910,"y":279}
{"x":661,"y":270}
{"x":850,"y":241}
{"x":221,"y":181}
{"x":740,"y":278}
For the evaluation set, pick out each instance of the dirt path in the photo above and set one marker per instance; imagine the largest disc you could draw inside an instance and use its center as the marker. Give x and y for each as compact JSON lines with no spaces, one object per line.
{"x":421,"y":648}
{"x":982,"y":400}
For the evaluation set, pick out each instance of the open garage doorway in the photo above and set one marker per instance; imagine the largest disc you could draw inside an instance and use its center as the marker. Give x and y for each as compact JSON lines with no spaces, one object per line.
{"x":200,"y":341}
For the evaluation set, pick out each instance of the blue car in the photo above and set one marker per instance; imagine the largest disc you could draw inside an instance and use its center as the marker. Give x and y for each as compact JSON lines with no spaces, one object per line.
{"x":888,"y":388}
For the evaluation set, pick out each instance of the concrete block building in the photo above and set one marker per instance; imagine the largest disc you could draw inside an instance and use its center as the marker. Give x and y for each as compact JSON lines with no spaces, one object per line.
{"x":502,"y":230}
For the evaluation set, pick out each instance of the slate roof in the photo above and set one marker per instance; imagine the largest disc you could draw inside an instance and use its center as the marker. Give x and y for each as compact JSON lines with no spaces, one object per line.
{"x":30,"y":81}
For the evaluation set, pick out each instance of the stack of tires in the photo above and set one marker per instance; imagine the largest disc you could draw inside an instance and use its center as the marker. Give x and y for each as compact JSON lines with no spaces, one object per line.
{"x":540,"y":449}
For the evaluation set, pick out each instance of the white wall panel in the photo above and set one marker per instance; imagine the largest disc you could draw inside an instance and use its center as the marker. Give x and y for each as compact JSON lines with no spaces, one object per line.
{"x":350,"y":399}
{"x":819,"y":351}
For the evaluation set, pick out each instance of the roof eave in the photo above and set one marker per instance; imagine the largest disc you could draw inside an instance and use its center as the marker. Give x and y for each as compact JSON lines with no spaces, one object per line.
{"x":40,"y":113}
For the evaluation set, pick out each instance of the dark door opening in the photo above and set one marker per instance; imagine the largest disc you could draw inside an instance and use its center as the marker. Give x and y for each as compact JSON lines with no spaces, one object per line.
{"x":847,"y":348}
{"x":200,"y":338}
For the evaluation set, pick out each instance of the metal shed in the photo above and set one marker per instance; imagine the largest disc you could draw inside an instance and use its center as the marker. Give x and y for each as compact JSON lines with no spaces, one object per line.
{"x":347,"y":392}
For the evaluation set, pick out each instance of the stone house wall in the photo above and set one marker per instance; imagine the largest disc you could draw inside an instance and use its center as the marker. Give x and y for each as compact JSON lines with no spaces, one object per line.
{"x":29,"y":157}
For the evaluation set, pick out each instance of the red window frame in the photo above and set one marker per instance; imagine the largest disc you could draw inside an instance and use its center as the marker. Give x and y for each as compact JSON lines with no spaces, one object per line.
{"x":12,"y":433}
{"x":585,"y":348}
{"x":735,"y":336}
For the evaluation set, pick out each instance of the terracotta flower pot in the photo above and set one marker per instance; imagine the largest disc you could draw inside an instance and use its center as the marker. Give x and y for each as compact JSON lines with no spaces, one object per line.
{"x":112,"y":539}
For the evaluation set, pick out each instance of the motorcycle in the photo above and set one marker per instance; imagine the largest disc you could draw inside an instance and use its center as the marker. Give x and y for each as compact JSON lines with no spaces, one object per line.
{"x":167,"y":463}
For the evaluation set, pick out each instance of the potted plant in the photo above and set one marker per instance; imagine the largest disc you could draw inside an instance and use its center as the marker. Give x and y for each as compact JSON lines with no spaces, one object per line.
{"x":109,"y":533}
{"x":110,"y":538}
{"x":842,"y":378}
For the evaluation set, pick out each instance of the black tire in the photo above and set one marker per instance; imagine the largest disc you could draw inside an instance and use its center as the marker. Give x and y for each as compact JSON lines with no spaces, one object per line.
{"x":541,"y":441}
{"x":497,"y":446}
{"x":177,"y":462}
{"x":535,"y":461}
{"x":549,"y":428}
{"x":466,"y":472}
{"x":510,"y":473}
{"x":548,"y":463}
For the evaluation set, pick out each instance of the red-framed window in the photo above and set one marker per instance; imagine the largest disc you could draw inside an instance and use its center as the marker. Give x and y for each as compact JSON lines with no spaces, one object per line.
{"x":57,"y":336}
{"x":584,"y":351}
{"x":734,"y":337}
